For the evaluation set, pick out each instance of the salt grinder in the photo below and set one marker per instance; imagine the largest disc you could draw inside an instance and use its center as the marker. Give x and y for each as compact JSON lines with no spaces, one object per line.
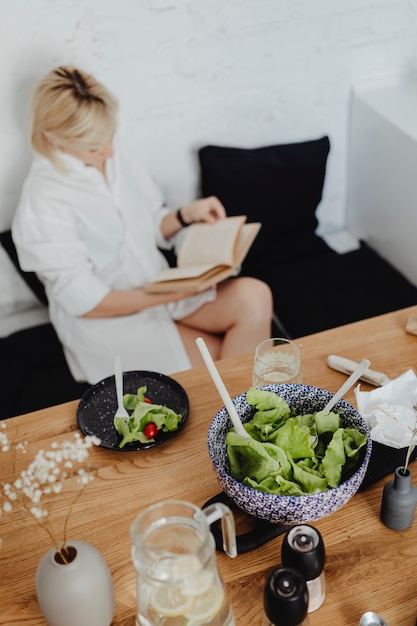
{"x":303,"y":549}
{"x":285,"y":598}
{"x":399,"y":499}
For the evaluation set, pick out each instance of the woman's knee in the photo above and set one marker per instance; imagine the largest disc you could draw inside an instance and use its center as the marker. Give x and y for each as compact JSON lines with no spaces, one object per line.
{"x":254,"y":296}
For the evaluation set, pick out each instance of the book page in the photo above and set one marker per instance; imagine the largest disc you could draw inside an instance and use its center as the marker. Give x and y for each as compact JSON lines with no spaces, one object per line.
{"x":195,"y":284}
{"x":247,"y":234}
{"x":210,"y":243}
{"x":177,"y":273}
{"x":200,"y":275}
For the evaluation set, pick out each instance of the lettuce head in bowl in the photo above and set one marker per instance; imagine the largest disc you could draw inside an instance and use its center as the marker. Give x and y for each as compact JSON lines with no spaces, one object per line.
{"x":300,"y":464}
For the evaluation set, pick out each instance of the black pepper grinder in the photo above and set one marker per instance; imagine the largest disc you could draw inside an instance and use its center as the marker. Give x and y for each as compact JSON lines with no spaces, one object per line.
{"x":303,"y":549}
{"x":285,"y":598}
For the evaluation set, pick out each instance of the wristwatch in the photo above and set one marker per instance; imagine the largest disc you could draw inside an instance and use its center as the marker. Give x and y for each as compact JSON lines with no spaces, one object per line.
{"x":181,"y":219}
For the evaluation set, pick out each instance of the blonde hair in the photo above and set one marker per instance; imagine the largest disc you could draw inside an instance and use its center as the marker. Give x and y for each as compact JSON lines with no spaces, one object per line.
{"x":72,"y":109}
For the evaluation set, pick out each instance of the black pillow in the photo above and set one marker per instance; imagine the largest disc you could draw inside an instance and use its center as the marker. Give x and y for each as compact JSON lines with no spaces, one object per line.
{"x":30,"y":278}
{"x":279,"y":185}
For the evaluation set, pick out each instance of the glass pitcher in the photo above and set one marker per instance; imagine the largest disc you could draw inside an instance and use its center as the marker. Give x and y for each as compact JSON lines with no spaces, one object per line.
{"x":178,"y":582}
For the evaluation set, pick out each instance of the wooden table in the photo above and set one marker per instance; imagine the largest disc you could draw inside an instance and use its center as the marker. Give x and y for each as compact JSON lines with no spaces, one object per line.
{"x":368,"y":567}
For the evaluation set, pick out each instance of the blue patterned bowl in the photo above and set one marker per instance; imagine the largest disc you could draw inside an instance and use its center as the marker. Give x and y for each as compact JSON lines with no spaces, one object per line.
{"x":286,"y":509}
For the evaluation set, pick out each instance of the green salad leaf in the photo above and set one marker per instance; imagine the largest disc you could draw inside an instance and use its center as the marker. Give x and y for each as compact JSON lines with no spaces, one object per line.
{"x":292,"y":454}
{"x":144,"y":413}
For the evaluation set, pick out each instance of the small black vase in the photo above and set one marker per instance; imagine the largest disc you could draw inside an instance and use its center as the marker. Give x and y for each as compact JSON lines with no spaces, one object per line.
{"x":399,"y":499}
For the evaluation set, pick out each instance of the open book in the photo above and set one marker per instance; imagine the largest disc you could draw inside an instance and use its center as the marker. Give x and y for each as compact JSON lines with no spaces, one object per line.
{"x":208,"y":254}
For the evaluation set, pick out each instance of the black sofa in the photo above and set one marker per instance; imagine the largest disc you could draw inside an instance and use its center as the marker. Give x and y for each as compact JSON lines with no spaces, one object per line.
{"x":33,"y":367}
{"x":314,"y":287}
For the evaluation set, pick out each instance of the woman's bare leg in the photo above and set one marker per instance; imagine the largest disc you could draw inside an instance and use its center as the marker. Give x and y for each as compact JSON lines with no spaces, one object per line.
{"x":189,"y":335}
{"x":234,"y":323}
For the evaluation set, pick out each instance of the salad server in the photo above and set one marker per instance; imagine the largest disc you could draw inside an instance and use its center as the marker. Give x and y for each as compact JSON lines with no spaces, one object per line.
{"x":346,"y":366}
{"x":220,"y":386}
{"x":355,"y":375}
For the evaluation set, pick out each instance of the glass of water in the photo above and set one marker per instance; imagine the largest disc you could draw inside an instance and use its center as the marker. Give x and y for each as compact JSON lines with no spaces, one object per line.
{"x":277,"y":360}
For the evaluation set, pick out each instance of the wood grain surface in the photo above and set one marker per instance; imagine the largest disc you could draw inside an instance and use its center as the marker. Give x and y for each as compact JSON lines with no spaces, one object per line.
{"x":368,"y":566}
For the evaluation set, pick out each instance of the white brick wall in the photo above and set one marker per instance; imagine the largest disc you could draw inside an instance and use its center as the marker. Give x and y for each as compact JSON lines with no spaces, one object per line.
{"x":190,"y":72}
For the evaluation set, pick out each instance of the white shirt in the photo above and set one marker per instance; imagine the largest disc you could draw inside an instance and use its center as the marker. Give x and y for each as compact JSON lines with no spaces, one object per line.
{"x":84,"y":236}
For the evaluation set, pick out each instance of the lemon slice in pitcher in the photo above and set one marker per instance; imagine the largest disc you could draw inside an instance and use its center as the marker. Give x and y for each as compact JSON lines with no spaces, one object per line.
{"x":206,"y":605}
{"x":199,"y":584}
{"x":183,"y":566}
{"x":169,"y":601}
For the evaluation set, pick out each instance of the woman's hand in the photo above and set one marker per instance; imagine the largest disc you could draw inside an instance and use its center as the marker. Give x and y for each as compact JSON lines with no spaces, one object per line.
{"x":208,"y":210}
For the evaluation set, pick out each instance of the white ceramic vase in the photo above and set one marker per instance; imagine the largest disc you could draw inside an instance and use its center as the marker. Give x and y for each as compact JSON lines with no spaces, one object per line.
{"x":79,"y":593}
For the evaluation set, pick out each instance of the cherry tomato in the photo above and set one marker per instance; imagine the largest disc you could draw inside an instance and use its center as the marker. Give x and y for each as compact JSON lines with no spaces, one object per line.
{"x":147,"y":400}
{"x":150,"y":430}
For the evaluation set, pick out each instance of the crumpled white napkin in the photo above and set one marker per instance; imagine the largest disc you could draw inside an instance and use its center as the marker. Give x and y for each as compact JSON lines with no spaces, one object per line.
{"x":389,"y":412}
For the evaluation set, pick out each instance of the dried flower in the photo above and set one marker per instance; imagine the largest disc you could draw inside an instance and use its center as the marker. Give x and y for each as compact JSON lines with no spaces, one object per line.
{"x":412,"y":443}
{"x":44,"y":476}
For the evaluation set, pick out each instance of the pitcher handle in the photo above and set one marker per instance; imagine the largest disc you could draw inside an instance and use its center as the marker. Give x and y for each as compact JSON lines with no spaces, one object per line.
{"x":219,"y":511}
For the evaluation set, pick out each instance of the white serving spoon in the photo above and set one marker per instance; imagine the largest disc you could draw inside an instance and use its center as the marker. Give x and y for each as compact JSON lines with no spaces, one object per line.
{"x":355,"y":375}
{"x":220,"y":386}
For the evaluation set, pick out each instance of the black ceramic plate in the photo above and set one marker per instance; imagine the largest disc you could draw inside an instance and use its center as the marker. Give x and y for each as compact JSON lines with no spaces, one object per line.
{"x":96,"y":409}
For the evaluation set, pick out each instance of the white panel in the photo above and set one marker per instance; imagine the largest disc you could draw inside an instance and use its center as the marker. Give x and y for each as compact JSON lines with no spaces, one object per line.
{"x":382,"y":190}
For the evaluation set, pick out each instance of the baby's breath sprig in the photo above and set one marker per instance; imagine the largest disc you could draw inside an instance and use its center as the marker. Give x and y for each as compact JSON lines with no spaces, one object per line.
{"x":45,"y":476}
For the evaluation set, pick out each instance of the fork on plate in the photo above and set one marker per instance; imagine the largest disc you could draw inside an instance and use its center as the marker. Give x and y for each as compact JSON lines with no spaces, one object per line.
{"x":118,"y":375}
